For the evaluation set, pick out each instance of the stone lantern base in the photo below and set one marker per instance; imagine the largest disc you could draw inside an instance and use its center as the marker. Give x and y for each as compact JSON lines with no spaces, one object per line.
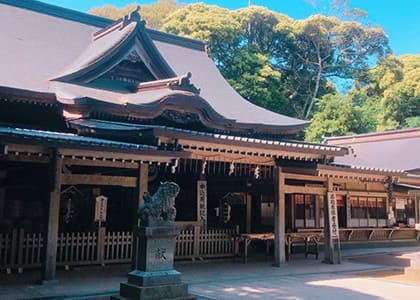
{"x":154,"y":277}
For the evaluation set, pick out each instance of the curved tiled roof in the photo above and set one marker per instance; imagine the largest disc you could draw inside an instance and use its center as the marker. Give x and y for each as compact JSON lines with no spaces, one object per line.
{"x":45,"y":42}
{"x":388,"y":150}
{"x":67,"y":138}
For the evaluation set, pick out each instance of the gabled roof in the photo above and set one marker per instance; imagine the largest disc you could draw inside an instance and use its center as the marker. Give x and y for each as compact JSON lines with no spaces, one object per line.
{"x":396,"y":150}
{"x":45,"y":42}
{"x":113,"y":44}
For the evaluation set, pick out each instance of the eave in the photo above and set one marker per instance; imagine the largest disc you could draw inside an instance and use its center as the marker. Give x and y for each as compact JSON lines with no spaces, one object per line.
{"x":30,"y":145}
{"x":10,"y":94}
{"x":181,"y":102}
{"x":202,"y":145}
{"x":357,"y":173}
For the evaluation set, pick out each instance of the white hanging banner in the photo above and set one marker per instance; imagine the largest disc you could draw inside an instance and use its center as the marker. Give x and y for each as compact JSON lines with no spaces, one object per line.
{"x":100,"y":208}
{"x":202,"y":202}
{"x":333,"y":216}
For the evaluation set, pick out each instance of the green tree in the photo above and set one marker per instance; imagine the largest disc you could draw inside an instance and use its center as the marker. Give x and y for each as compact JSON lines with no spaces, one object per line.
{"x":254,"y":77}
{"x":342,"y":115}
{"x":154,"y":14}
{"x":214,"y":25}
{"x":401,"y":100}
{"x":323,"y":49}
{"x":396,"y":82}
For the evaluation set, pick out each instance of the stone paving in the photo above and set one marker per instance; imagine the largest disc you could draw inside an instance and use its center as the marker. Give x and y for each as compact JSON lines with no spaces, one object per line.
{"x":299,"y":279}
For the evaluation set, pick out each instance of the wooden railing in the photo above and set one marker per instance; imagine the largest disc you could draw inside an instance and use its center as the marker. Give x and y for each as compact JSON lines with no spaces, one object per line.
{"x":24,"y":250}
{"x":369,"y":234}
{"x":378,"y":234}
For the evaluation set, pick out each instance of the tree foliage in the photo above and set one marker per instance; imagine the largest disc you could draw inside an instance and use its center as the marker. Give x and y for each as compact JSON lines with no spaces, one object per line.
{"x":307,"y":53}
{"x":400,"y":100}
{"x":154,"y":14}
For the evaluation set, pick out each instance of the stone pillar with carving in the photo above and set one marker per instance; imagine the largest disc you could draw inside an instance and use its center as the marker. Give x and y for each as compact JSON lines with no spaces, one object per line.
{"x":154,"y":276}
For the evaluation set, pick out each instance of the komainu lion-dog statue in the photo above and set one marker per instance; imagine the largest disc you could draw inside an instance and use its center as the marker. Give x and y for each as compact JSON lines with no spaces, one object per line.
{"x":159,"y":209}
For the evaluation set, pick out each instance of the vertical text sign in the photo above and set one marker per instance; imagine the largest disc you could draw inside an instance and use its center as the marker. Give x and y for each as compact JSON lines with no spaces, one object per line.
{"x":333,"y":216}
{"x":100,"y":208}
{"x":202,"y":201}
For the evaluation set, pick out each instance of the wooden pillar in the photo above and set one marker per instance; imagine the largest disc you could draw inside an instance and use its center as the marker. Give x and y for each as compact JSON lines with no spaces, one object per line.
{"x":389,"y":189}
{"x":50,"y":242}
{"x":2,"y":200}
{"x":415,"y":196}
{"x":2,"y":194}
{"x":318,"y":198}
{"x":292,"y":212}
{"x":143,"y":181}
{"x":348,"y":210}
{"x":248,"y":213}
{"x":142,"y":186}
{"x":279,"y":219}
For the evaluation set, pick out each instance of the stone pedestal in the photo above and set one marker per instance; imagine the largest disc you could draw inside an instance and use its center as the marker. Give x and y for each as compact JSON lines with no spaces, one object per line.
{"x":154,"y":277}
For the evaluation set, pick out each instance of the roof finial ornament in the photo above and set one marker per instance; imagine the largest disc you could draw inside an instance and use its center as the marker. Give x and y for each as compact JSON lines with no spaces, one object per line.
{"x":133,"y":16}
{"x":184,"y":83}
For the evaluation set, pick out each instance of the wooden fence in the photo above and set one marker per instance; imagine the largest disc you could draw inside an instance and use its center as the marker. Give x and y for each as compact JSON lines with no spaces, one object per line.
{"x":20,"y":250}
{"x":200,"y":243}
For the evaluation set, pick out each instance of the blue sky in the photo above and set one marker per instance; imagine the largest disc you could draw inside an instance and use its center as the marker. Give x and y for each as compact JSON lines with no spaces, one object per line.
{"x":400,"y":19}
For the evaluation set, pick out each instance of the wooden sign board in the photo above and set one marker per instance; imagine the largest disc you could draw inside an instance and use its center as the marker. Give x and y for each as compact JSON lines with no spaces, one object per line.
{"x":333,"y":216}
{"x":100,"y":208}
{"x":202,"y":201}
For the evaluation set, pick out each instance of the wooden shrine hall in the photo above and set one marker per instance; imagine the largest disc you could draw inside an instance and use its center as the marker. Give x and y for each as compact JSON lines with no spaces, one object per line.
{"x":94,"y":112}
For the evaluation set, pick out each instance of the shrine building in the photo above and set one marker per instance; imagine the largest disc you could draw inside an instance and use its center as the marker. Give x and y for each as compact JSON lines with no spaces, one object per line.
{"x":94,"y":112}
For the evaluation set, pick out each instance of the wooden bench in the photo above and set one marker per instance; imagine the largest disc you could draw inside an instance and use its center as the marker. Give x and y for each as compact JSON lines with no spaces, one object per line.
{"x":248,"y":238}
{"x":310,"y":241}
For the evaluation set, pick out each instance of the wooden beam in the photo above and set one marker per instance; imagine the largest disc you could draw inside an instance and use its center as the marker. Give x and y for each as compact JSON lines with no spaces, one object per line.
{"x":25,"y":158}
{"x":358,"y":174}
{"x":279,"y":218}
{"x":139,"y":155}
{"x":93,"y":179}
{"x":366,"y":194}
{"x":228,"y":157}
{"x":225,"y":147}
{"x":99,"y":163}
{"x":292,"y":189}
{"x":50,"y":249}
{"x":304,"y":177}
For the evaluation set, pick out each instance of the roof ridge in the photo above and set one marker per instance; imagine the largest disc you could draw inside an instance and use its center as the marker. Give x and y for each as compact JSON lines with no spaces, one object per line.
{"x":376,"y":136}
{"x":60,"y":12}
{"x":101,"y":22}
